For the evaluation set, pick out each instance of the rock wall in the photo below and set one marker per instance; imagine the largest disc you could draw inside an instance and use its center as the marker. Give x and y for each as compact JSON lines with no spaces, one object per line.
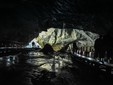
{"x":61,"y":37}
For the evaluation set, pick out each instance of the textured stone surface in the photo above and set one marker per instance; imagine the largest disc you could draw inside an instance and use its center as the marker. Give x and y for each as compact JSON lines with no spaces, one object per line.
{"x":58,"y":38}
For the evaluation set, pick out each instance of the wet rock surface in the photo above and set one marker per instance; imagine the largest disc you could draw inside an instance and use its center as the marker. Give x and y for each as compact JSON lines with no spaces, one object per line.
{"x":69,"y":74}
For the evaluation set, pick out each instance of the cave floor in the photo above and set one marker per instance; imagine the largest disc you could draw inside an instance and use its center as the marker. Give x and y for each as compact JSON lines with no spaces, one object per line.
{"x":72,"y":74}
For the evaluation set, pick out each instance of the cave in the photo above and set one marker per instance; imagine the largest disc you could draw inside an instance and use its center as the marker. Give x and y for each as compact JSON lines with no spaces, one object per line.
{"x":53,"y":42}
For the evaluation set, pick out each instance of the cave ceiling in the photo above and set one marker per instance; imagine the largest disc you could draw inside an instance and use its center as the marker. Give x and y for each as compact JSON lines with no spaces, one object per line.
{"x":22,"y":20}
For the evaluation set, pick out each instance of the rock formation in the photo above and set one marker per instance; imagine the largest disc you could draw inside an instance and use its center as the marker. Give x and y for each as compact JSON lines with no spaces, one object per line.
{"x":59,"y":38}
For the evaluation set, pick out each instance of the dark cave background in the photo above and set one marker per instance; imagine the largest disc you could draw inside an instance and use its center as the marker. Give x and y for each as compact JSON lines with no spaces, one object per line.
{"x":26,"y":18}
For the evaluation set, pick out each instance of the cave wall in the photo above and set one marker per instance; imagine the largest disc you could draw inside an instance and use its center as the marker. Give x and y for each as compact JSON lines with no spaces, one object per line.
{"x":58,"y":38}
{"x":22,"y":20}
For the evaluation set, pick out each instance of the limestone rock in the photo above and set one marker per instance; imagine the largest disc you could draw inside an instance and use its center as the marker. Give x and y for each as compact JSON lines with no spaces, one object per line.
{"x":58,"y":38}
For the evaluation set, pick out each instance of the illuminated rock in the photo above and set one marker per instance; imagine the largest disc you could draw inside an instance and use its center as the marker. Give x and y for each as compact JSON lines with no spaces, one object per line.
{"x":58,"y":38}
